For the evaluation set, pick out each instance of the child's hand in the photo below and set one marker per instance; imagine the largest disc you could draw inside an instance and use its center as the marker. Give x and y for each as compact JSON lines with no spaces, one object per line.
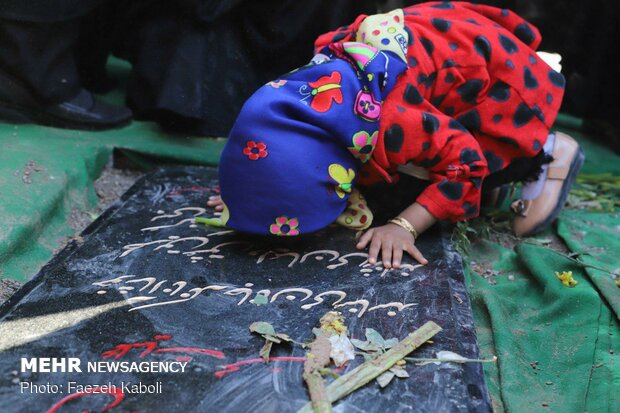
{"x":216,"y":202}
{"x":391,"y":240}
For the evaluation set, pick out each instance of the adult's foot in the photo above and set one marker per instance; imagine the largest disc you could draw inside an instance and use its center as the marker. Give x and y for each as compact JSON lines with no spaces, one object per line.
{"x":84,"y":111}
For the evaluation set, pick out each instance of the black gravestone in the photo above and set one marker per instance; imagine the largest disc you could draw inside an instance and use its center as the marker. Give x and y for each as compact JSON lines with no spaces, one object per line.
{"x":148,"y":285}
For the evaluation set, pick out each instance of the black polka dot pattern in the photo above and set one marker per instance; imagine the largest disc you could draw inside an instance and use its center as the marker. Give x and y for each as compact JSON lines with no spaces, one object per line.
{"x":443,"y":5}
{"x":340,"y":36}
{"x":523,"y":115}
{"x":494,"y":162}
{"x":442,"y":25}
{"x":538,"y":113}
{"x":483,"y":47}
{"x":471,"y":120}
{"x":549,"y":98}
{"x":437,"y":100}
{"x":509,"y":46}
{"x":469,"y":90}
{"x":394,"y":138}
{"x":476,"y":181}
{"x":412,"y":95}
{"x":427,"y":80}
{"x":500,"y":91}
{"x":410,"y":38}
{"x":529,"y":79}
{"x":429,"y":163}
{"x":451,"y":190}
{"x":456,"y":125}
{"x":556,"y":78}
{"x":430,"y":123}
{"x":468,"y":156}
{"x":525,"y":33}
{"x":428,"y":45}
{"x":509,"y":141}
{"x":470,"y":210}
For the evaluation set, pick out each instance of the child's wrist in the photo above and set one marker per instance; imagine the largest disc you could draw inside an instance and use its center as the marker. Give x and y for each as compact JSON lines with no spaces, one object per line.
{"x":405,"y":224}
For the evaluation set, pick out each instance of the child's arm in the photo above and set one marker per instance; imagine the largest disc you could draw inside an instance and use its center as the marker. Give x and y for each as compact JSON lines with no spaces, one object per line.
{"x":392,"y":239}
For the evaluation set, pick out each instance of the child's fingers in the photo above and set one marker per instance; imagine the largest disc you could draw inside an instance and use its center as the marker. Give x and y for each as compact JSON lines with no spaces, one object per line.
{"x":363,"y":241}
{"x":373,"y":251}
{"x":219,"y":208}
{"x":214,"y":200}
{"x":397,"y":256}
{"x":415,"y":253}
{"x":386,"y":254}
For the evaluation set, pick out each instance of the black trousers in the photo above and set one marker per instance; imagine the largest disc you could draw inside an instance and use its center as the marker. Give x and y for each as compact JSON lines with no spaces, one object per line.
{"x":41,"y":57}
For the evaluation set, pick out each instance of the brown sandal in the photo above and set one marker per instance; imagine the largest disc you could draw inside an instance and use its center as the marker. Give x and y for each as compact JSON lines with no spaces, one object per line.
{"x":535,"y":215}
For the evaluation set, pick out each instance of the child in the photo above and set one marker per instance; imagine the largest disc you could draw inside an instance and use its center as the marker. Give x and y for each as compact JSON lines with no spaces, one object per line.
{"x":450,"y":92}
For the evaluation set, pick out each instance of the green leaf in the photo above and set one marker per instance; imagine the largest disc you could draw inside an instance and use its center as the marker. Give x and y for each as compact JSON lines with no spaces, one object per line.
{"x":260,"y":300}
{"x":385,"y":378}
{"x":390,"y":343}
{"x":362,"y":345}
{"x":284,"y":337}
{"x":375,"y":338}
{"x":273,"y":339}
{"x":399,"y":371}
{"x":263,"y":328}
{"x":213,"y":222}
{"x":368,"y":357}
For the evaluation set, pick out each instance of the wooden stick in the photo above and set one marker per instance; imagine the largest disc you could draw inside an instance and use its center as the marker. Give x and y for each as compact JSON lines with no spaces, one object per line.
{"x":318,"y":395}
{"x":370,"y":370}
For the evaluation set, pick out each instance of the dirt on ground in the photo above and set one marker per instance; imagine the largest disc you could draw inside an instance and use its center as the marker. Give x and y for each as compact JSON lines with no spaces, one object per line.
{"x":8,"y":288}
{"x":111,"y":184}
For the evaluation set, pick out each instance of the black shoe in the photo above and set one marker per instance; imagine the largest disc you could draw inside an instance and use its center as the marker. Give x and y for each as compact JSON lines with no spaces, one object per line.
{"x":84,"y":111}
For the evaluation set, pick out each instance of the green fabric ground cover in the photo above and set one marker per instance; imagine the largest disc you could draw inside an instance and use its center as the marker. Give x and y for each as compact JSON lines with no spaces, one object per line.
{"x":33,"y":216}
{"x":557,"y":346}
{"x":548,"y":338}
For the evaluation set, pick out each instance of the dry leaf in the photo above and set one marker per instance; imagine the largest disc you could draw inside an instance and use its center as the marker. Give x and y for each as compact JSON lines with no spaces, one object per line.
{"x":266,"y":351}
{"x":342,"y":350}
{"x":450,"y":356}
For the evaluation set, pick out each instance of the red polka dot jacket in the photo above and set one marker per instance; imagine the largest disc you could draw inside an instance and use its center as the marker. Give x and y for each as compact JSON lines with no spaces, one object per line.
{"x":475,"y":97}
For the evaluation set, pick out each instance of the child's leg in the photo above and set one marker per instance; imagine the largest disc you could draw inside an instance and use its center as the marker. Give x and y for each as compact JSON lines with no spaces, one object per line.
{"x":547,"y":179}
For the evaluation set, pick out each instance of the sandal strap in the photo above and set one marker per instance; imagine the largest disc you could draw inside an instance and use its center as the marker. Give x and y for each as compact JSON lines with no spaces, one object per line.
{"x":521,"y":207}
{"x":557,"y":173}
